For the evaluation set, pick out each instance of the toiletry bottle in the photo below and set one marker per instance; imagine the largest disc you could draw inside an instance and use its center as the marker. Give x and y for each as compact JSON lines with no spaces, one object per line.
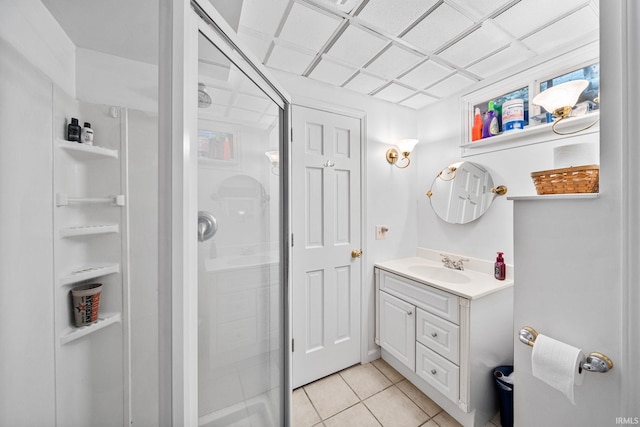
{"x":73,"y":131}
{"x":476,"y":131}
{"x":87,"y":134}
{"x":490,"y":126}
{"x":500,"y":270}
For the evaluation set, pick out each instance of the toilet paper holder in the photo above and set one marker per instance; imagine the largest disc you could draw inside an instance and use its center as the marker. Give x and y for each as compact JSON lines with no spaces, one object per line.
{"x":595,"y":362}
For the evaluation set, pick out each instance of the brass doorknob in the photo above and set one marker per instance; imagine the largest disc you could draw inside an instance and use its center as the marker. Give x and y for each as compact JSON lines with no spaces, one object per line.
{"x":356,"y":253}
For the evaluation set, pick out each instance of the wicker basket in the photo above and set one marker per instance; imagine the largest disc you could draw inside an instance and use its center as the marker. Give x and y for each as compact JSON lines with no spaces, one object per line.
{"x":578,"y":179}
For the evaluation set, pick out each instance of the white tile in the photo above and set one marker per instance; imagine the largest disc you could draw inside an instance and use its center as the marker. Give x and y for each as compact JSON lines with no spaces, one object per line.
{"x":365,"y":380}
{"x":356,"y":46}
{"x":332,"y":73}
{"x":419,"y":100}
{"x":258,"y":43}
{"x":572,"y":27}
{"x":330,"y":395}
{"x":392,"y":408}
{"x":480,"y":9}
{"x":394,"y":93}
{"x":291,"y":60}
{"x":393,"y":61}
{"x":529,"y":15}
{"x":302,"y":412}
{"x":509,"y":57}
{"x":437,"y":28}
{"x":356,"y":416}
{"x":388,"y":371}
{"x":451,"y":85}
{"x":481,"y":42}
{"x":388,"y":16}
{"x":307,"y":27}
{"x":364,"y":83}
{"x":425,"y":74}
{"x":263,"y":16}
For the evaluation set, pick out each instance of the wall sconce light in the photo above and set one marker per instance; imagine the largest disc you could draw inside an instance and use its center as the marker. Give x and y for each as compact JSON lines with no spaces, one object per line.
{"x":274,"y":159}
{"x":405,"y":146}
{"x":559,"y":100}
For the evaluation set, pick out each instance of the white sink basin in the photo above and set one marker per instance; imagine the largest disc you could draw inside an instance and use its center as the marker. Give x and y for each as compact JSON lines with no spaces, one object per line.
{"x":439,"y":274}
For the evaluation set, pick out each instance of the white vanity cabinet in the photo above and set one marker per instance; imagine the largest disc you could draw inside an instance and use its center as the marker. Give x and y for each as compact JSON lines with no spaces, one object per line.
{"x":444,"y":341}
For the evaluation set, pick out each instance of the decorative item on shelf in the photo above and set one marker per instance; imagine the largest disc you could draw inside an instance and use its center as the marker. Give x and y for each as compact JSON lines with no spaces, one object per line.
{"x":274,"y":159}
{"x":405,"y":146}
{"x":559,"y":100}
{"x":86,"y":303}
{"x":579,"y":179}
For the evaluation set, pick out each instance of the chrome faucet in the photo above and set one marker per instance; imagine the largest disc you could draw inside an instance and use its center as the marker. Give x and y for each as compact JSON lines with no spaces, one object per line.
{"x":455,"y":265}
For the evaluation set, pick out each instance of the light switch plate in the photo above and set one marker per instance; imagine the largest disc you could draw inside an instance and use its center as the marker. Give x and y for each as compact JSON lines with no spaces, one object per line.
{"x":381,"y":232}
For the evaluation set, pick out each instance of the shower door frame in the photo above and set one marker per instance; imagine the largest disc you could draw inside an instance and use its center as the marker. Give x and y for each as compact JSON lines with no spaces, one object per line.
{"x":180,"y":22}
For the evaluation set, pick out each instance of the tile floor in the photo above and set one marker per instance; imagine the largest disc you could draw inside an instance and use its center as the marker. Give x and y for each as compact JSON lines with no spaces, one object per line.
{"x":368,"y":395}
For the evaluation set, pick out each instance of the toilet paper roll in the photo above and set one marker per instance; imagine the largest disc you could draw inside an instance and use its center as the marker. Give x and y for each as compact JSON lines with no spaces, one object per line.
{"x":567,"y":156}
{"x":557,"y":364}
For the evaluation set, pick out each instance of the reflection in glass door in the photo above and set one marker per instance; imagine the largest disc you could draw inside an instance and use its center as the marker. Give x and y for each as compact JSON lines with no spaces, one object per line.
{"x":240,"y":293}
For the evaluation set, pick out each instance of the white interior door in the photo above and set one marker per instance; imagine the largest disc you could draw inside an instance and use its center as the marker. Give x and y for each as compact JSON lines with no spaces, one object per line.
{"x":326,"y":225}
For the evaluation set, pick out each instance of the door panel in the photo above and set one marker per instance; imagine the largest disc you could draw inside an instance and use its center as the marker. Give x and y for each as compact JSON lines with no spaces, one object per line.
{"x":326,"y":214}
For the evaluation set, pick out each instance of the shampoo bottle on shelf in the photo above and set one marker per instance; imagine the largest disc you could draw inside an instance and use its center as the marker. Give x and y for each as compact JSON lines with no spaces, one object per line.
{"x":500,"y":269}
{"x":490,"y":126}
{"x":73,"y":130}
{"x":476,"y":131}
{"x":87,"y":134}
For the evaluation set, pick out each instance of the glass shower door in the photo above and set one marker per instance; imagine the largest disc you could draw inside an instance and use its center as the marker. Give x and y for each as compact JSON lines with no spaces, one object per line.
{"x":240,"y":293}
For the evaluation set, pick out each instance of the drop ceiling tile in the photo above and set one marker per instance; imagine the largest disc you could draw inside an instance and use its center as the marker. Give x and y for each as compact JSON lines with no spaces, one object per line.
{"x":529,"y":15}
{"x":438,"y":28}
{"x":425,"y":74}
{"x":393,"y":61}
{"x":252,"y":103}
{"x":509,"y":57}
{"x":364,"y":83}
{"x":356,"y":46}
{"x":479,"y":43}
{"x":257,"y":43}
{"x":291,"y":60}
{"x":393,"y":17}
{"x":394,"y":93}
{"x":451,"y":85}
{"x":244,"y":115}
{"x":419,"y":100}
{"x":572,"y":27}
{"x":480,"y":9}
{"x":307,"y":27}
{"x":332,"y":73}
{"x":263,"y":16}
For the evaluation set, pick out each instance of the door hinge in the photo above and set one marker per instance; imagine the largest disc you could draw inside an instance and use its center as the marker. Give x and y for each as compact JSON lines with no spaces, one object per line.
{"x":293,"y":345}
{"x":291,"y":134}
{"x":291,"y":239}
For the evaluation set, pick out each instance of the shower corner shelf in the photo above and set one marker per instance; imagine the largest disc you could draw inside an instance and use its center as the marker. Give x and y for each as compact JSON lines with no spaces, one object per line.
{"x":88,"y":273}
{"x":90,"y":230}
{"x":87,"y":151}
{"x":104,"y":320}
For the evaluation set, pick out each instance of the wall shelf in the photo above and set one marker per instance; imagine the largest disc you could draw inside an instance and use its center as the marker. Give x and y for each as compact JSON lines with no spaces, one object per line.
{"x":63,"y":199}
{"x":87,"y":152}
{"x":532,"y":135}
{"x":89,"y":230}
{"x":575,"y":196}
{"x":88,"y":273}
{"x":104,"y":320}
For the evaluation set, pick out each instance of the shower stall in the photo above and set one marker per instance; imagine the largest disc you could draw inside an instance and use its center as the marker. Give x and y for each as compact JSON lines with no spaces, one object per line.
{"x":224,"y":183}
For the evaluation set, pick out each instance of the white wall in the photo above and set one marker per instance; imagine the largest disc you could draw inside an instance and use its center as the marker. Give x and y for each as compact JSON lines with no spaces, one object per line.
{"x":388,"y":189}
{"x":27,"y":385}
{"x":440,"y":127}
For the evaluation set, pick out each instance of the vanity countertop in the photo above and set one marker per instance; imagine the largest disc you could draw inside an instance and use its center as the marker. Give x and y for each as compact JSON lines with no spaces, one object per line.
{"x":468,"y":284}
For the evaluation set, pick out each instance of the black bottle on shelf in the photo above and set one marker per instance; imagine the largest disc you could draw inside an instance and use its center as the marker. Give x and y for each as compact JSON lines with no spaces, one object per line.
{"x":73,"y":130}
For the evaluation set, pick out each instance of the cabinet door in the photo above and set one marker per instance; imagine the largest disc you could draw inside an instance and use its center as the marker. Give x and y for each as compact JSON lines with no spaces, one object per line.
{"x":398,"y":329}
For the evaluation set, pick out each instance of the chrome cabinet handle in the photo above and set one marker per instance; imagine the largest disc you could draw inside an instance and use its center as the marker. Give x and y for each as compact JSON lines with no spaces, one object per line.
{"x":433,"y":372}
{"x":434,"y":334}
{"x":409,"y":313}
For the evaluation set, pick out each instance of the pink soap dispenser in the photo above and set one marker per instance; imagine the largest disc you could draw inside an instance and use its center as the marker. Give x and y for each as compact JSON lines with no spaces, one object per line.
{"x":500,"y":270}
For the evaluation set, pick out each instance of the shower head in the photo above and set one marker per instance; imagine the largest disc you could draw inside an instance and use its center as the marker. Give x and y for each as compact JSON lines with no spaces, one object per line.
{"x":204,"y":100}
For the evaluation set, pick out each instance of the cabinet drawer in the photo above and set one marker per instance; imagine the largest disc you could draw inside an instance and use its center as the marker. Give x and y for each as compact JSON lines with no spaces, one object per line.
{"x":430,"y":299}
{"x":438,"y":371}
{"x":438,"y":334}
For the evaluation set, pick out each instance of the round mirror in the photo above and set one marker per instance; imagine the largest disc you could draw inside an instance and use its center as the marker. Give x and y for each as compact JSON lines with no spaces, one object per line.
{"x":462,"y":192}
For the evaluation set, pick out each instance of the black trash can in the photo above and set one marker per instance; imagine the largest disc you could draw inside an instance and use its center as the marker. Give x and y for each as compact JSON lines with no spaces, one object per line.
{"x":505,"y":394}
